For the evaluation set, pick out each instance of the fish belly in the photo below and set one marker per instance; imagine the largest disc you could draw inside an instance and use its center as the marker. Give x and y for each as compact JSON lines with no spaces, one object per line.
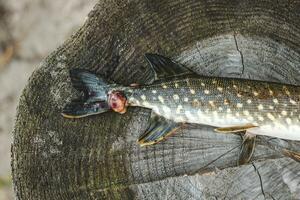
{"x":289,"y":133}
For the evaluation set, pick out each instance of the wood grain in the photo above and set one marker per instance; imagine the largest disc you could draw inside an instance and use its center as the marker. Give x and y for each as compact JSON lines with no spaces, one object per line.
{"x":98,"y":157}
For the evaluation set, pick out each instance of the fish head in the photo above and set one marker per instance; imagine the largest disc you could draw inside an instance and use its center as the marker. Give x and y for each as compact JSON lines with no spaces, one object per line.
{"x":117,"y":101}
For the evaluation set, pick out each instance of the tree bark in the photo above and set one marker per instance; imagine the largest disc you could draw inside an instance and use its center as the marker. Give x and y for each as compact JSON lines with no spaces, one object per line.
{"x":98,"y":157}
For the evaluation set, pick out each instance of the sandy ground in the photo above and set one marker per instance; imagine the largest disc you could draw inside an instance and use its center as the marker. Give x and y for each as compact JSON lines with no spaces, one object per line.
{"x":35,"y":27}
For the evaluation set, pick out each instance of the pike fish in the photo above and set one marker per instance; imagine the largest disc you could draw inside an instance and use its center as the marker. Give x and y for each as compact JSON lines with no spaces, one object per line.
{"x":179,"y":96}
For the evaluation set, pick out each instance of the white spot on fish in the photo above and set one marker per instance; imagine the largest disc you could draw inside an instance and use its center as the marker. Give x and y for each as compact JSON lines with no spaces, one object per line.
{"x":249,"y":101}
{"x":146,"y":103}
{"x":164,"y":86}
{"x":176,"y":85}
{"x":166,"y":109}
{"x":226,"y":101}
{"x":161,"y":99}
{"x":186,"y":99}
{"x":260,"y":107}
{"x":202,"y":84}
{"x":271,"y":107}
{"x":260,"y":118}
{"x":246,"y":112}
{"x":292,"y":102}
{"x":206,"y":91}
{"x":239,"y":105}
{"x":179,"y":108}
{"x":175,"y":96}
{"x":228,"y":110}
{"x":239,"y":95}
{"x":220,"y":89}
{"x":131,"y":99}
{"x":284,"y":113}
{"x":154,"y":91}
{"x":275,"y":101}
{"x":192,"y":91}
{"x":271,"y":92}
{"x":288,"y":120}
{"x":220,"y":108}
{"x":211,"y":103}
{"x":270,"y":116}
{"x":255,"y":93}
{"x":143,"y":97}
{"x":250,"y":118}
{"x":286,"y":91}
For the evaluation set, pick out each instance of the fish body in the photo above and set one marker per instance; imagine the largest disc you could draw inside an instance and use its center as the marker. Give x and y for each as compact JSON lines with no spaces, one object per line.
{"x":178,"y":96}
{"x":272,"y":108}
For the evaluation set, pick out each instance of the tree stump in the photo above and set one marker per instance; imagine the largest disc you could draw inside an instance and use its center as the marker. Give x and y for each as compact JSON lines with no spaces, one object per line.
{"x":98,"y":157}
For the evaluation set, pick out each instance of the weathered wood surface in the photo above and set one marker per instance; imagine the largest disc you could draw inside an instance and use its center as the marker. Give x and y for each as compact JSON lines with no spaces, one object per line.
{"x":98,"y":157}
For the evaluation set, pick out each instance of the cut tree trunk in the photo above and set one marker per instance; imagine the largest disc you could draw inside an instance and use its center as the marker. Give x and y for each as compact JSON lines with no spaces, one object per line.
{"x":98,"y":157}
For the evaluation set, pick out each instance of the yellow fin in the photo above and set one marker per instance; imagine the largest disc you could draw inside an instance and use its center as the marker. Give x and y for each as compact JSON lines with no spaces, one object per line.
{"x":247,"y":149}
{"x":159,"y":129}
{"x":292,"y":154}
{"x":234,"y":129}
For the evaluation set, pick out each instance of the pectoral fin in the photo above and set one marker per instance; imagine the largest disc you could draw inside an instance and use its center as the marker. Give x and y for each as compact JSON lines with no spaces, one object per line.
{"x":158,"y":130}
{"x":247,"y":148}
{"x":248,"y":145}
{"x":234,"y":129}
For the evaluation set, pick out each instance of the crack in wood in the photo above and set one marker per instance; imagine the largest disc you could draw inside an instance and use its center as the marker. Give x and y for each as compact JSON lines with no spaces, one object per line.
{"x":240,"y":52}
{"x":260,"y":180}
{"x":198,"y":50}
{"x":236,"y":45}
{"x":214,"y":160}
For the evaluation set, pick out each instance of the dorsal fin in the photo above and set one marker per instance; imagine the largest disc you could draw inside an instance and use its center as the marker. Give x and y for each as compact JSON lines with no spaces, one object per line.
{"x":164,"y":67}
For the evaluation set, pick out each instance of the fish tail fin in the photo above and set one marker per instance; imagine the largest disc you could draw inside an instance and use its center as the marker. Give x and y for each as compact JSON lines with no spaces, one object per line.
{"x":292,"y":154}
{"x":94,"y":100}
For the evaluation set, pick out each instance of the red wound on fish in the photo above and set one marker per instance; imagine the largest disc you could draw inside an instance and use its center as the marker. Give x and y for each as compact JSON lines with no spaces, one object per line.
{"x":117,"y":101}
{"x":114,"y":105}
